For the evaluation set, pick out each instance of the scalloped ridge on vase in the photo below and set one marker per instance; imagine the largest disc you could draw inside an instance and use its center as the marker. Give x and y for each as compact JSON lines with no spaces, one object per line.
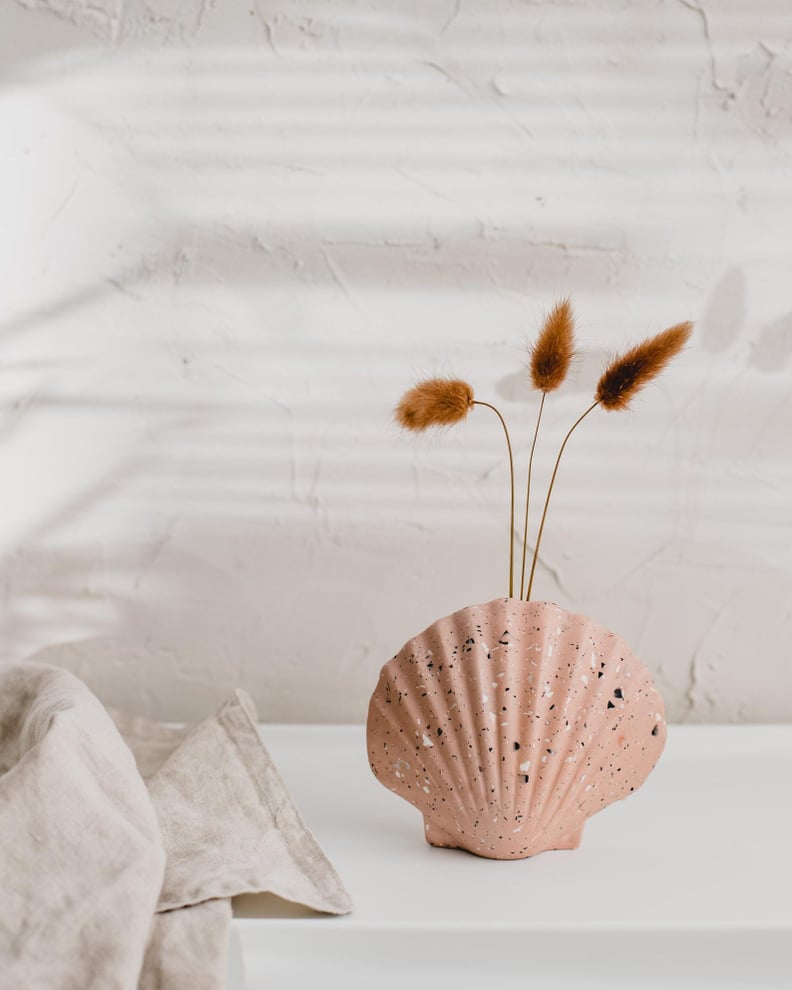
{"x":508,"y":724}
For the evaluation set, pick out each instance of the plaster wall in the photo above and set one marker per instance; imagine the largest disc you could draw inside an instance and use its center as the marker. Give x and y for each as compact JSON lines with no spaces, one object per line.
{"x":234,"y":232}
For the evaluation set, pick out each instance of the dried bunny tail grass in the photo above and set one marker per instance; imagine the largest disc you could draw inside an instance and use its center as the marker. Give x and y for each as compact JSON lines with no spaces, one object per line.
{"x":434,"y":402}
{"x":443,"y":402}
{"x":627,"y":374}
{"x":551,"y":357}
{"x":620,"y":381}
{"x":554,"y":349}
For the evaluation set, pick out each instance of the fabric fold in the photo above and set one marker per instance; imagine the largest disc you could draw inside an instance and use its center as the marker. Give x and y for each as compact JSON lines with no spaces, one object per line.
{"x":81,"y":855}
{"x":123,"y":840}
{"x":228,"y":823}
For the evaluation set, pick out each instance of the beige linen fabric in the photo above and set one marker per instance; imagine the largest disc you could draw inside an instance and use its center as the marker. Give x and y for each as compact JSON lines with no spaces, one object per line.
{"x":116,"y":873}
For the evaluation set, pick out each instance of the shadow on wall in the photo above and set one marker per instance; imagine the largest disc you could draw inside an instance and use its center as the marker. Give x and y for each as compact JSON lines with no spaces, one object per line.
{"x":196,"y":573}
{"x":230,"y":533}
{"x":208,"y":576}
{"x":175,"y":645}
{"x":725,"y":321}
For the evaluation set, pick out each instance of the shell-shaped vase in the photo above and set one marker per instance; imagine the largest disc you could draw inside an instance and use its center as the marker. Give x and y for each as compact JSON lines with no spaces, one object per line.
{"x":508,"y":724}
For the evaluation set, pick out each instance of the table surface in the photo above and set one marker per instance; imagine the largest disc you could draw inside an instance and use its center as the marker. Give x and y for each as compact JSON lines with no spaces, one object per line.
{"x":703,"y":847}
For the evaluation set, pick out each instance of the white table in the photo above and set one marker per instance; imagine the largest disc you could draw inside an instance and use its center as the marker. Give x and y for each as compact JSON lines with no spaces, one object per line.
{"x":687,"y":884}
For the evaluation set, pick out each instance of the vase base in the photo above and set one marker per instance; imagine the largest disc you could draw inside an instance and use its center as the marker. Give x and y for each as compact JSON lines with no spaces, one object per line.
{"x":489,"y":847}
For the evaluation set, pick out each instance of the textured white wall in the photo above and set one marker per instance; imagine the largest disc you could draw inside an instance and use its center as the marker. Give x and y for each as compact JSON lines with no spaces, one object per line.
{"x":234,"y":232}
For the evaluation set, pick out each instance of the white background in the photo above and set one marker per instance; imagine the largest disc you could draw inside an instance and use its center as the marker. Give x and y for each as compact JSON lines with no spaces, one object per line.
{"x":233,"y":233}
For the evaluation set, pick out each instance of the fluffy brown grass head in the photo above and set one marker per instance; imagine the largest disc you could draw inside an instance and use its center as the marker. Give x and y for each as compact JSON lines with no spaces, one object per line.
{"x":554,"y":349}
{"x":434,"y":402}
{"x":628,"y":373}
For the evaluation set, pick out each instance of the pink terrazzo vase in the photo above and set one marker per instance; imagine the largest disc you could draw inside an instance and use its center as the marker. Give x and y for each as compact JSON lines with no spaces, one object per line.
{"x":508,"y":724}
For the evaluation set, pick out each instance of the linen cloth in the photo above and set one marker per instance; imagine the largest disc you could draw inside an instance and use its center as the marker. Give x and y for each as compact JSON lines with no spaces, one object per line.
{"x":122,"y":840}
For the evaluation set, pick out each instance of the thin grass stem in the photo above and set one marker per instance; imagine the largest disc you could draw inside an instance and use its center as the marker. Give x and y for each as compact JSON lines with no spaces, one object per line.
{"x":550,"y":492}
{"x":477,"y":402}
{"x":528,"y":495}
